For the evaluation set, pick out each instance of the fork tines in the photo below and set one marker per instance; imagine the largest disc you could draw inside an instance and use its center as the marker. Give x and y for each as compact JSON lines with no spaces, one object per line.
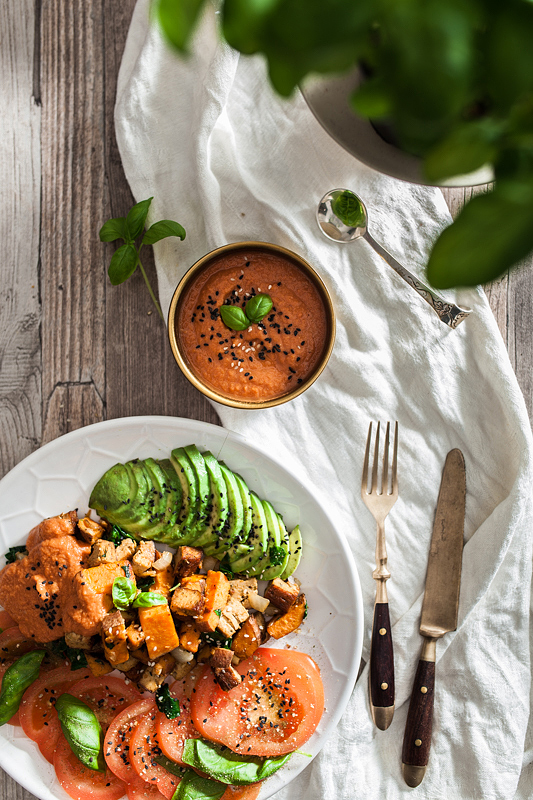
{"x":385,"y":486}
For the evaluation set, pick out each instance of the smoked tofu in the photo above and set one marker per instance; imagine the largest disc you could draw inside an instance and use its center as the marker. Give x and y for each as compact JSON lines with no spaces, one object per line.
{"x":225,"y":674}
{"x":231,"y":618}
{"x":282,"y":594}
{"x":187,"y":561}
{"x":103,"y":552}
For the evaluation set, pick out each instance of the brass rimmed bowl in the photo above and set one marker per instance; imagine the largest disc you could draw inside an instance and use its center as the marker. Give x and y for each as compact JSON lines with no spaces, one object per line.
{"x":179,"y":350}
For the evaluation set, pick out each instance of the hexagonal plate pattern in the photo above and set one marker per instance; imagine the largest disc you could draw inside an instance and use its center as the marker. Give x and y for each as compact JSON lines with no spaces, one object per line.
{"x":60,"y":476}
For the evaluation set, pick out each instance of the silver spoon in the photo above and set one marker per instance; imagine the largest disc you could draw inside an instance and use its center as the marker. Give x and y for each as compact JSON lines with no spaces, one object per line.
{"x":342,"y":216}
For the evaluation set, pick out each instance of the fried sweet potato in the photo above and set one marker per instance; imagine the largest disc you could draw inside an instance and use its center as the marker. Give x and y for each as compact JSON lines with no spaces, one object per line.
{"x":248,"y":638}
{"x":283,"y":624}
{"x":216,"y":598}
{"x":159,"y":630}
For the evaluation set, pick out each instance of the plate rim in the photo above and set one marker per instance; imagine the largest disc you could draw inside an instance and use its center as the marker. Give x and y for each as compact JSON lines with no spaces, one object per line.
{"x":227,"y":435}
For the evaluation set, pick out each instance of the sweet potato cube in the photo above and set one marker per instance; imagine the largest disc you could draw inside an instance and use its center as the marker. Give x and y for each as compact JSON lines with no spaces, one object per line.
{"x":247,"y":639}
{"x":116,"y":652}
{"x":190,"y":637}
{"x":216,"y":597}
{"x":163,"y":580}
{"x":98,"y":666}
{"x":159,"y":630}
{"x":101,"y":578}
{"x":135,"y":636}
{"x":286,"y":623}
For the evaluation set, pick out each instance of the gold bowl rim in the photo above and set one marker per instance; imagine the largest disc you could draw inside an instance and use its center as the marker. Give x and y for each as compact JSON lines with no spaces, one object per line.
{"x":191,"y":376}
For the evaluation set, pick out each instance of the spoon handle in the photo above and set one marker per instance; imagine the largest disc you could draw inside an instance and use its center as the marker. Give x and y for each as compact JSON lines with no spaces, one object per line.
{"x":448,"y":313}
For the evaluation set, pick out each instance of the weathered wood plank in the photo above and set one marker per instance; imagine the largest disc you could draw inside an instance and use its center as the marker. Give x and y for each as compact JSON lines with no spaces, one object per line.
{"x":72,"y":135}
{"x":142,"y":377}
{"x":20,"y":362}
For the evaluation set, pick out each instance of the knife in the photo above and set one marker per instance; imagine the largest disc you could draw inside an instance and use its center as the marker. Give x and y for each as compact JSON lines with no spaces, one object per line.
{"x":439,"y":612}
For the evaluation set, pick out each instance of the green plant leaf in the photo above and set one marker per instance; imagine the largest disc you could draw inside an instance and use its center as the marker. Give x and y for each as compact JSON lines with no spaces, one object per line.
{"x":115,"y":229}
{"x":491,"y":234}
{"x":123,"y":264}
{"x":81,"y":730}
{"x":223,"y":765}
{"x":18,"y":676}
{"x":123,"y":592}
{"x":371,"y":100}
{"x":466,"y":149}
{"x":347,"y":207}
{"x":234,"y":317}
{"x":11,"y":554}
{"x":178,"y":19}
{"x":196,"y":787}
{"x":171,"y":766}
{"x":149,"y":599}
{"x":116,"y":535}
{"x":162,"y":230}
{"x":258,"y":307}
{"x":77,"y":658}
{"x":137,"y":217}
{"x":167,"y":704}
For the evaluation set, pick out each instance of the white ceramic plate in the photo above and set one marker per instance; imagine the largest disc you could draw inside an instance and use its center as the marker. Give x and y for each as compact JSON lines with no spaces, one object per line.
{"x":60,"y":476}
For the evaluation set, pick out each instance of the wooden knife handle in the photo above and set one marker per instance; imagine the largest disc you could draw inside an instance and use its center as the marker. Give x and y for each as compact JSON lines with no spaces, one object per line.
{"x":381,"y":668}
{"x":417,"y":737}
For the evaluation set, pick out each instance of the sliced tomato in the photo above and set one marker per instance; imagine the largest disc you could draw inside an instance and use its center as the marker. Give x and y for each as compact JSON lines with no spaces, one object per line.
{"x":242,"y":792}
{"x":6,"y":620}
{"x":172,"y":733}
{"x":144,"y":749}
{"x":117,"y":740}
{"x":13,"y":644}
{"x":37,"y":710}
{"x":140,"y":790}
{"x":274,"y":710}
{"x":107,"y":696}
{"x":82,"y":783}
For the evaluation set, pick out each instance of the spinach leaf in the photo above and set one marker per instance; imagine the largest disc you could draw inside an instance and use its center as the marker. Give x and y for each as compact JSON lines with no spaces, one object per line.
{"x":258,"y":307}
{"x":11,"y":554}
{"x":77,"y":658}
{"x":234,"y":317}
{"x":215,"y":638}
{"x":145,"y":583}
{"x":167,"y":704}
{"x":228,"y":767}
{"x":82,"y":731}
{"x":124,"y":592}
{"x":116,"y":535}
{"x":195,"y":787}
{"x":17,"y":677}
{"x":149,"y":599}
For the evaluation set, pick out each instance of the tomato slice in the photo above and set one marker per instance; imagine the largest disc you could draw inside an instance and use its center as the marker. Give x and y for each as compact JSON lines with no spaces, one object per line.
{"x":82,"y":783}
{"x":13,"y":644}
{"x":274,"y":710}
{"x":242,"y":792}
{"x":172,"y":733}
{"x":37,"y":710}
{"x":107,"y":696}
{"x":144,"y":749}
{"x":140,"y":790}
{"x":117,"y":740}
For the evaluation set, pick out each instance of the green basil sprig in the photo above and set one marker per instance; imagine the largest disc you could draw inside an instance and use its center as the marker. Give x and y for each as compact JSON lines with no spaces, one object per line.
{"x":195,"y":787}
{"x":167,"y":704}
{"x":149,"y":599}
{"x":255,"y":310}
{"x":347,"y":207}
{"x":82,"y":731}
{"x":124,"y":592}
{"x":17,"y":678}
{"x":171,"y":766}
{"x":223,"y":765}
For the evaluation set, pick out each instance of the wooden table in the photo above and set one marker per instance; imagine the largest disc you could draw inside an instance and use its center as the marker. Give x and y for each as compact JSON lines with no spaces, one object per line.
{"x":72,"y":347}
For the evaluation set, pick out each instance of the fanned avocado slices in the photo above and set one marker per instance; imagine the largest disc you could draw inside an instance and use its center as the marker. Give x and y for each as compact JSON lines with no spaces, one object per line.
{"x":193,"y":499}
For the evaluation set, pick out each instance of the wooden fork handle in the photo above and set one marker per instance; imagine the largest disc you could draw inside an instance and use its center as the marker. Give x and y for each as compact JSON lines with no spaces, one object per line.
{"x":381,"y":668}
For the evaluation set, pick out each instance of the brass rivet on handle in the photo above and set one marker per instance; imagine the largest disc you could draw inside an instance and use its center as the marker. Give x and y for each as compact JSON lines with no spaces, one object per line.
{"x":384,"y":685}
{"x":424,"y":689}
{"x":418,"y":742}
{"x":382,"y":631}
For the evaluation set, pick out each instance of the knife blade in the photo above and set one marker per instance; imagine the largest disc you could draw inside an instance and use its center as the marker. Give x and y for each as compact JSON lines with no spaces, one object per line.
{"x":439,"y":612}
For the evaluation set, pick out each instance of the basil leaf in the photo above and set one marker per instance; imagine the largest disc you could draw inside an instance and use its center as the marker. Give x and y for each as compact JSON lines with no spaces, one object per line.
{"x":16,"y":680}
{"x":234,"y":317}
{"x":171,"y":766}
{"x":223,"y":765}
{"x":167,"y":704}
{"x":137,"y":217}
{"x":81,"y":730}
{"x":162,"y":230}
{"x":349,"y":210}
{"x":195,"y":787}
{"x":123,"y":264}
{"x":258,"y":307}
{"x":149,"y":599}
{"x":11,"y":554}
{"x":145,"y":583}
{"x":123,"y":593}
{"x":115,"y":229}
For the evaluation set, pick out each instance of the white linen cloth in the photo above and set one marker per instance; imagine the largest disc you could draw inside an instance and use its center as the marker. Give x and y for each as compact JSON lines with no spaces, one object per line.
{"x":231,"y":161}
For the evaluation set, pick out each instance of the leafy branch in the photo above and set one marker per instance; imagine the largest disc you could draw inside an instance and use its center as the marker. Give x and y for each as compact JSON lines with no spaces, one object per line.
{"x":126,"y":258}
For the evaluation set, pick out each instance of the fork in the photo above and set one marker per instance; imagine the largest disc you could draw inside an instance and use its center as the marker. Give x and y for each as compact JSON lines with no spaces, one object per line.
{"x":379,"y":502}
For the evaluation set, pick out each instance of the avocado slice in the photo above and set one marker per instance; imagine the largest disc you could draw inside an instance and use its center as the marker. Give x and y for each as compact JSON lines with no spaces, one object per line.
{"x":145,"y":510}
{"x":257,"y":540}
{"x":204,"y":488}
{"x":155,"y":526}
{"x":279,"y":557}
{"x":113,"y":492}
{"x":234,"y":521}
{"x":274,"y":541}
{"x":173,"y":490}
{"x":189,"y":499}
{"x":295,"y":553}
{"x":218,"y":508}
{"x":240,"y":545}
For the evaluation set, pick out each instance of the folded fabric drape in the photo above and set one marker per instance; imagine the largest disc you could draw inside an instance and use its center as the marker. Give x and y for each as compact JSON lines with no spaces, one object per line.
{"x":231,"y":161}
